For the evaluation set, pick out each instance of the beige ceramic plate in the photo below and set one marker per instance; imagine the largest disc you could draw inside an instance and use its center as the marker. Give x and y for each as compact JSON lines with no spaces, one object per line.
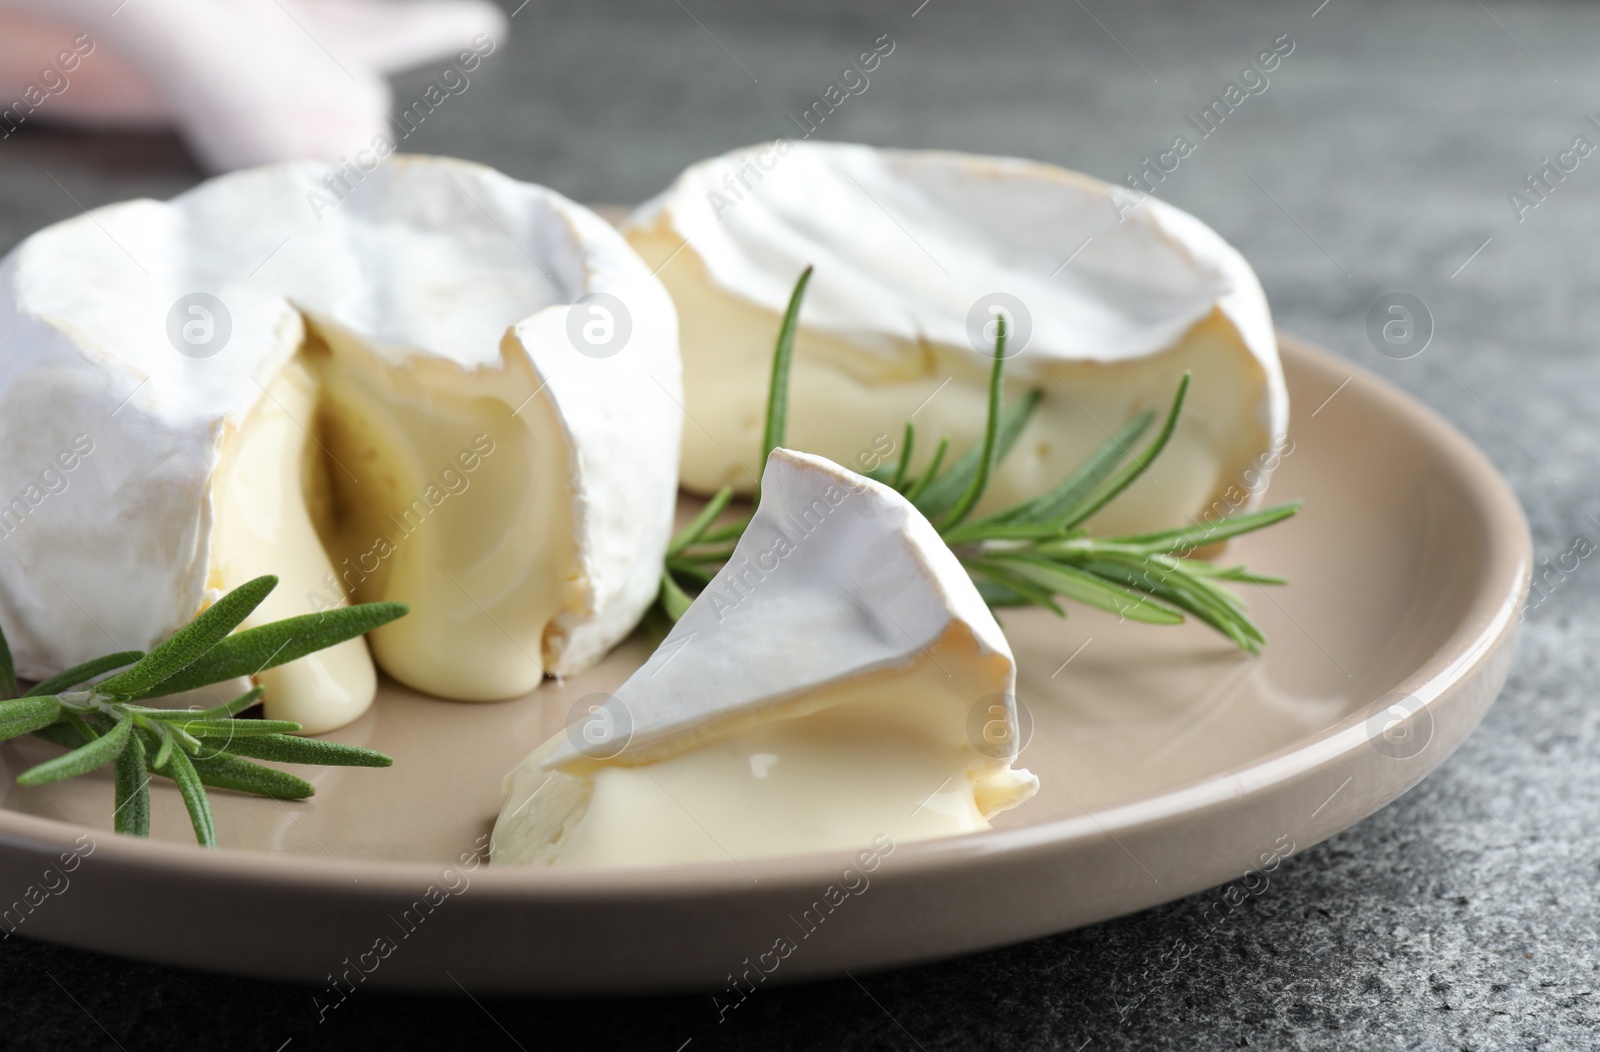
{"x":1170,"y":763}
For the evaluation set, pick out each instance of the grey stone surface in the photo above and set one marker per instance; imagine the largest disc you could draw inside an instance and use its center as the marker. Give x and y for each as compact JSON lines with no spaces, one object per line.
{"x":1379,"y":160}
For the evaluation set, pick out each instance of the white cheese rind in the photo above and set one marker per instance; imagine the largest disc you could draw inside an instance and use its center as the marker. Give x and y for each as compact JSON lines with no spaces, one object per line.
{"x":623,"y":418}
{"x":837,"y":586}
{"x":904,"y":244}
{"x":426,"y":261}
{"x":870,"y":587}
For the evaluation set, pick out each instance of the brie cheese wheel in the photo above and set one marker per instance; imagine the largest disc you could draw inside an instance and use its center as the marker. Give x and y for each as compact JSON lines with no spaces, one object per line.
{"x":840,"y":679}
{"x":1108,"y":299}
{"x":426,"y":383}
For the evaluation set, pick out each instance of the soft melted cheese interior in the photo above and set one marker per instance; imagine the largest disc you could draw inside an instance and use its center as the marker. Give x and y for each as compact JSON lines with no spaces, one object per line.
{"x":264,"y":526}
{"x":361,"y":477}
{"x":849,"y":400}
{"x":879,"y":755}
{"x":456,"y":502}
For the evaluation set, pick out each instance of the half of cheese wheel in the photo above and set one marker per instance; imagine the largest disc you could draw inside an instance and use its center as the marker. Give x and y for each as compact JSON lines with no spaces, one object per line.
{"x":1109,"y":301}
{"x":427,"y":383}
{"x":839,"y":680}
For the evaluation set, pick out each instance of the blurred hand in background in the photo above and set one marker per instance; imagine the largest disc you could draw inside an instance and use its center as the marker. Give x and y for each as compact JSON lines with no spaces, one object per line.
{"x":244,"y":81}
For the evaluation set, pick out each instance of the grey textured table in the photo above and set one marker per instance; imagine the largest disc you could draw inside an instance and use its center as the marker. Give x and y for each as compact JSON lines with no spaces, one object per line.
{"x":1379,"y":159}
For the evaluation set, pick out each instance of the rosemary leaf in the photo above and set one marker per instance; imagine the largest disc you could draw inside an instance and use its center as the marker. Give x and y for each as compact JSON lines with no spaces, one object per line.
{"x":83,"y":759}
{"x":27,"y":715}
{"x":132,"y":815}
{"x":257,"y":649}
{"x":1016,"y":584}
{"x":987,"y":455}
{"x":226,"y":728}
{"x":929,"y":476}
{"x":691,"y":533}
{"x":166,"y":742}
{"x":782,"y":362}
{"x":908,"y":447}
{"x":1052,"y":506}
{"x":1124,"y":478}
{"x":716,"y":555}
{"x":83,"y":726}
{"x":1086,"y":588}
{"x":86,"y":671}
{"x":1241,"y":575}
{"x":998,"y":595}
{"x":695,"y":572}
{"x":191,"y":642}
{"x":1187,"y":538}
{"x":1177,"y":589}
{"x":285,"y":749}
{"x":193,"y":792}
{"x":731,"y":532}
{"x":977,"y":532}
{"x":673,"y":598}
{"x":943,"y":493}
{"x":8,"y":670}
{"x":1209,"y":598}
{"x":231,"y":772}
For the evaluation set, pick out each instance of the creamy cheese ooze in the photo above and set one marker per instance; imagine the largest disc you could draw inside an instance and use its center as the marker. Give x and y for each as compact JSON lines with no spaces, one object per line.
{"x":841,"y":679}
{"x":421,"y":487}
{"x":391,"y":399}
{"x":1109,"y":303}
{"x":264,"y":526}
{"x":457,"y":505}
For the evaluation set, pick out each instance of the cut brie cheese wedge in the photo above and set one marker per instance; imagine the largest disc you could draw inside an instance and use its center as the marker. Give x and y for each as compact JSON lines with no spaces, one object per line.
{"x":426,"y":383}
{"x":1109,"y":300}
{"x":840,"y":679}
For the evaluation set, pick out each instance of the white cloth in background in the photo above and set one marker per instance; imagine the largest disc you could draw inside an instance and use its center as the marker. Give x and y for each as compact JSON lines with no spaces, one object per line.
{"x":244,"y":81}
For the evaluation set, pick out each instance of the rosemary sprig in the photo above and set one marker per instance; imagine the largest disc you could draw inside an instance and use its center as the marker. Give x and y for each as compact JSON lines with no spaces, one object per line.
{"x":1034,"y":552}
{"x":98,"y":721}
